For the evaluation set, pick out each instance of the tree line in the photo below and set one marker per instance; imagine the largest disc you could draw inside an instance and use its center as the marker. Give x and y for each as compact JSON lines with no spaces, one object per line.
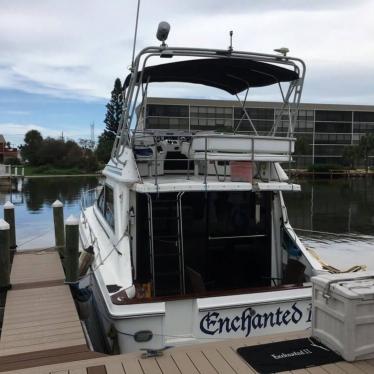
{"x":58,"y":153}
{"x":61,"y":153}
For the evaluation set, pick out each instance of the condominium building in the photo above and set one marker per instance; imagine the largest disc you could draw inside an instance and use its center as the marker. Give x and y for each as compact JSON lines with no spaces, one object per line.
{"x":323,"y":131}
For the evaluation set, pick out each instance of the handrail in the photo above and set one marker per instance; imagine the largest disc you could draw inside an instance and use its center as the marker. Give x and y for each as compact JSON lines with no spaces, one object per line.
{"x":132,"y":92}
{"x":204,"y":148}
{"x":83,"y":206}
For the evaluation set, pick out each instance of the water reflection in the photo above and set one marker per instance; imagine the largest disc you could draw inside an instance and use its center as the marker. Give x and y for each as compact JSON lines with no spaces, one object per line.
{"x":336,"y":218}
{"x":338,"y":206}
{"x":344,"y":208}
{"x":34,"y":222}
{"x":39,"y":193}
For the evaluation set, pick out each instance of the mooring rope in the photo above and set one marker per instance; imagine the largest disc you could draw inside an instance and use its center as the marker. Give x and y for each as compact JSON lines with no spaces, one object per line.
{"x":34,"y":238}
{"x":332,"y":269}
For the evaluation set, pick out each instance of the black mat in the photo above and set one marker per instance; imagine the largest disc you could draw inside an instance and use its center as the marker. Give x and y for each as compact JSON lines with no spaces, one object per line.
{"x":288,"y":355}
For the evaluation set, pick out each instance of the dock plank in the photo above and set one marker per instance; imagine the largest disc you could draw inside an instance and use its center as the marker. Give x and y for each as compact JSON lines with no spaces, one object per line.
{"x":36,"y":269}
{"x":217,"y":361}
{"x":167,"y":365}
{"x":207,"y":358}
{"x":132,"y":366}
{"x":201,"y":362}
{"x":46,"y":327}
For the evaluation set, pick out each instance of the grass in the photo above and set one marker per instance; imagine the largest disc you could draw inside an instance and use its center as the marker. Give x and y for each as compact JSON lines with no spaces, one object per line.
{"x":52,"y":170}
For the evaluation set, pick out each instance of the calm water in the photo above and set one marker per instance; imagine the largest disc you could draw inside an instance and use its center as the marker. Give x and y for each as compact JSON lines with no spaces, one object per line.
{"x":345,"y":209}
{"x":34,"y":219}
{"x":342,"y":208}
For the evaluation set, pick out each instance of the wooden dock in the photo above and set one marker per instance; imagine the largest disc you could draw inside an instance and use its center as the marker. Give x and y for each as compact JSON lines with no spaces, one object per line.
{"x":42,"y":334}
{"x":41,"y":325}
{"x":209,"y":358}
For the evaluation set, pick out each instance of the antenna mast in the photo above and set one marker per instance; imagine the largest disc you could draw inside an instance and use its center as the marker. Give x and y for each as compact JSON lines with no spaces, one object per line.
{"x":135,"y":35}
{"x":92,"y":145}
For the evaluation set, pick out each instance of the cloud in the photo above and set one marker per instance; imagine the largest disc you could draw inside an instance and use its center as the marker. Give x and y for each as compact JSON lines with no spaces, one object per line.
{"x":15,"y":132}
{"x":75,"y":49}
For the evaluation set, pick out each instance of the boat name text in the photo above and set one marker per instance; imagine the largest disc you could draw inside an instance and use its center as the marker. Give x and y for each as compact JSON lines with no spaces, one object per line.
{"x":212,"y":323}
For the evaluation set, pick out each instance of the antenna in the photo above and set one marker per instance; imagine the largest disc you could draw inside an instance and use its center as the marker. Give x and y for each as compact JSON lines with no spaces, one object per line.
{"x":92,"y":145}
{"x":283,"y":51}
{"x":230,"y":46}
{"x":135,"y":35}
{"x":163,"y":32}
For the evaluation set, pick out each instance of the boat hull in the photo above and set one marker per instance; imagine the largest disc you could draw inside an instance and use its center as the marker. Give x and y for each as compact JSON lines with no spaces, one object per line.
{"x":197,"y":320}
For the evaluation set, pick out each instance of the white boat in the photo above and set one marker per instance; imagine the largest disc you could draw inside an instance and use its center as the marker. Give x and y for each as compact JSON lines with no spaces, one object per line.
{"x":190,"y":231}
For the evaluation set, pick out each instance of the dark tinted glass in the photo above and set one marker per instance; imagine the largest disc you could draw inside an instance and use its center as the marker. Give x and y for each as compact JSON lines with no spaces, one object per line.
{"x":333,"y":115}
{"x":255,"y":113}
{"x":167,"y":110}
{"x":339,"y":127}
{"x":364,"y":116}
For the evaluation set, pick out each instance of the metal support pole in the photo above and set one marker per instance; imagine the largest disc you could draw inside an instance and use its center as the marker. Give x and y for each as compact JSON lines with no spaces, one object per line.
{"x":58,"y":218}
{"x":10,"y":219}
{"x":4,"y":256}
{"x":71,"y":254}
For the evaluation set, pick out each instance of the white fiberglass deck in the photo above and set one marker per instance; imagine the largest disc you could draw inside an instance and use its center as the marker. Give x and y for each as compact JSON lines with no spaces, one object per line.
{"x":174,"y":182}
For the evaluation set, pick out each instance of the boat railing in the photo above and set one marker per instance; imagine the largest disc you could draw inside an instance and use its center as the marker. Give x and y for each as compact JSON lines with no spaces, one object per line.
{"x":88,"y":199}
{"x":204,"y":153}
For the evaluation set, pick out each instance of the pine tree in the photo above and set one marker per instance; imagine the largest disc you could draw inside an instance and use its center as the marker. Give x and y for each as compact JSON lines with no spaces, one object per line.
{"x":112,"y":120}
{"x":114,"y":108}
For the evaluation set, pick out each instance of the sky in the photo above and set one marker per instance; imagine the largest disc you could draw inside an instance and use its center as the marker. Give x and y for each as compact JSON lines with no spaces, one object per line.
{"x":59,"y":59}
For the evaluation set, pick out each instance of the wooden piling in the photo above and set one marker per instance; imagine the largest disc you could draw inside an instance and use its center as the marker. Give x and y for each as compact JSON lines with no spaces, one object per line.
{"x":58,"y":218}
{"x":71,"y":254}
{"x":4,"y":256}
{"x":9,"y":217}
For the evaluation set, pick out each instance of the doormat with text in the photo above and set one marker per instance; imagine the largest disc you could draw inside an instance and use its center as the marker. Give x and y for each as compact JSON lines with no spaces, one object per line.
{"x":288,"y":355}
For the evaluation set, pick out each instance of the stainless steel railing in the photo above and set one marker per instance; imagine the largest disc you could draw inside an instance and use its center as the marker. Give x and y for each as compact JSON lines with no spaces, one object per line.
{"x":154,"y":140}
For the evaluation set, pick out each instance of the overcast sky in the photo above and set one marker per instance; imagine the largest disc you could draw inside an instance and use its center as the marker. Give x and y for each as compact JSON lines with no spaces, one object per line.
{"x":59,"y":59}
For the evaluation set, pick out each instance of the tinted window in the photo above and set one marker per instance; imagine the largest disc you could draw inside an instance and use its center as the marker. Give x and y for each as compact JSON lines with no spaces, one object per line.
{"x":106,"y":206}
{"x":364,"y":116}
{"x":167,"y":110}
{"x":255,"y":113}
{"x":333,"y":127}
{"x":333,"y":115}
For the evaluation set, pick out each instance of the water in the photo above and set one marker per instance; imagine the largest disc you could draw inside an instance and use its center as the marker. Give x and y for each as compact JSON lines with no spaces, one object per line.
{"x":344,"y":208}
{"x":34,"y":218}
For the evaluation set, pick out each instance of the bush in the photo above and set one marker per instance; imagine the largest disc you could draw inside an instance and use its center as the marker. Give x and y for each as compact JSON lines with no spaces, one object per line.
{"x":13,"y":161}
{"x":324,"y":168}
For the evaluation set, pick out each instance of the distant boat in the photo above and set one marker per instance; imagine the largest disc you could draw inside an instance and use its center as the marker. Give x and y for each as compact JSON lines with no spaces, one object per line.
{"x":190,"y":231}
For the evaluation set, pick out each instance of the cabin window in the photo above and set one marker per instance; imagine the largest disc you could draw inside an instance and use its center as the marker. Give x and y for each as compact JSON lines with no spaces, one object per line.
{"x":106,"y":206}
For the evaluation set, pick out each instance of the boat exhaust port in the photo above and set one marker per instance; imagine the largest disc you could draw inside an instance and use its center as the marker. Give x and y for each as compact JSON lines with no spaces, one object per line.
{"x":143,"y":336}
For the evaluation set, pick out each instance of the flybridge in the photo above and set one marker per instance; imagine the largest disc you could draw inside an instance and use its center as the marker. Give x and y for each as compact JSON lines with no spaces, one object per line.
{"x":235,"y":72}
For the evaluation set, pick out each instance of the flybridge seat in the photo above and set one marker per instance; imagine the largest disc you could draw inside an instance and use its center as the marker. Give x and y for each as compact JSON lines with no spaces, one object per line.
{"x":147,"y":151}
{"x":216,"y":146}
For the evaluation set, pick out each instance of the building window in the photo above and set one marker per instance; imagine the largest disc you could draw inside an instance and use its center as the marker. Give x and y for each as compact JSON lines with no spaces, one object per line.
{"x":105,"y":205}
{"x":155,"y":110}
{"x":363,"y":116}
{"x":255,"y":113}
{"x":210,"y":112}
{"x":334,"y":127}
{"x":333,"y":115}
